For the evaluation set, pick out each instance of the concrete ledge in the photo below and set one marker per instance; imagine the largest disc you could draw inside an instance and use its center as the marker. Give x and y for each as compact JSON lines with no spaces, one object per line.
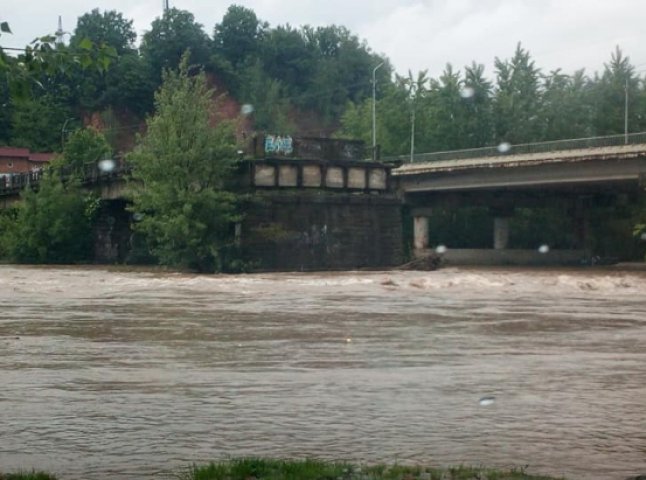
{"x":511,"y":257}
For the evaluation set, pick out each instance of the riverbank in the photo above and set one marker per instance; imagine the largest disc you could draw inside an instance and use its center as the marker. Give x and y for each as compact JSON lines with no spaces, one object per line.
{"x":267,"y":469}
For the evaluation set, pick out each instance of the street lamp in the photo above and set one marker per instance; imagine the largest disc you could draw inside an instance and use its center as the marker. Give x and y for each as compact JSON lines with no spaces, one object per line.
{"x":413,"y":98}
{"x":374,"y":111}
{"x":63,"y":132}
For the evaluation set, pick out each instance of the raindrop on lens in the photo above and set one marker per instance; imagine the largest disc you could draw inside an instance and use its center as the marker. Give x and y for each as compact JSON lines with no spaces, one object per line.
{"x":467,"y":92}
{"x":106,"y":165}
{"x":441,"y":249}
{"x":504,"y":147}
{"x":485,"y":401}
{"x":246,"y":109}
{"x":543,"y":249}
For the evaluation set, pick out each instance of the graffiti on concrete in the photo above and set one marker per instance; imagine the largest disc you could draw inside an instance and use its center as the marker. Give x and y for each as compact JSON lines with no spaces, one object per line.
{"x":278,"y":144}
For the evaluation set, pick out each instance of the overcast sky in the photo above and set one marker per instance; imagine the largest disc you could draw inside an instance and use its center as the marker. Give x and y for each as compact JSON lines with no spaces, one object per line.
{"x":413,"y":34}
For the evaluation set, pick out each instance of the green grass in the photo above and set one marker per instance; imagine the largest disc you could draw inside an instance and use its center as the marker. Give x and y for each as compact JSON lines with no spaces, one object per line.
{"x":268,"y":469}
{"x":261,"y":469}
{"x":27,"y":476}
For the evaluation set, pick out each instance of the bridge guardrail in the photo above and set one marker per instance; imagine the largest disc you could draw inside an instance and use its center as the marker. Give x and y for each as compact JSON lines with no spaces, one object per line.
{"x":538,"y":147}
{"x":89,"y":174}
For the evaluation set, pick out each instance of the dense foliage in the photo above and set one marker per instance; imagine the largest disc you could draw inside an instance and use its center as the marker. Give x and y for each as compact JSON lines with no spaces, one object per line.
{"x":521,"y":105}
{"x":180,"y":167}
{"x":307,"y":81}
{"x":51,"y":225}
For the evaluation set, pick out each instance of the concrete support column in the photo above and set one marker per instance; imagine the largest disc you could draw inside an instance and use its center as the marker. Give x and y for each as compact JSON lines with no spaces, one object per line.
{"x":420,"y":232}
{"x":500,"y":233}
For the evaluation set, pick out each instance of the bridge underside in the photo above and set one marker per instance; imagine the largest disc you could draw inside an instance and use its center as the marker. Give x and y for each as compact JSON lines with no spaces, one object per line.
{"x":571,"y":189}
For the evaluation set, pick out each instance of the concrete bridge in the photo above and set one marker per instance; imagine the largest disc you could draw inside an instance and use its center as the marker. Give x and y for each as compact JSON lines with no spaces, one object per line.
{"x":572,"y":175}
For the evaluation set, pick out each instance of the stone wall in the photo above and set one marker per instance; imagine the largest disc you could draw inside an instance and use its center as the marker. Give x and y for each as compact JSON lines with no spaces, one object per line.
{"x":322,"y":230}
{"x":112,"y":232}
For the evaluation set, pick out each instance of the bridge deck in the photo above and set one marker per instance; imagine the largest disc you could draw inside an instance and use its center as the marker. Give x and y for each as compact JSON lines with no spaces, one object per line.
{"x":524,"y":159}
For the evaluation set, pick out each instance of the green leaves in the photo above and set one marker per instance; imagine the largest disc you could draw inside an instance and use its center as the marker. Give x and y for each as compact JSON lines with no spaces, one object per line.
{"x":180,"y":168}
{"x":86,"y":44}
{"x":50,"y":226}
{"x":85,"y":146}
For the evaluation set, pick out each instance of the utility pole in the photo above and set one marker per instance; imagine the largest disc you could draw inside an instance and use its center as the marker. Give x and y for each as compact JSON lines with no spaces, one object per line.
{"x":626,"y":114}
{"x":374,"y":111}
{"x":166,"y":7}
{"x":413,"y":101}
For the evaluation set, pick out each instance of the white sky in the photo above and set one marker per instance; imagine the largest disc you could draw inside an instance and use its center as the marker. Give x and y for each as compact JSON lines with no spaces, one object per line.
{"x":414,"y":34}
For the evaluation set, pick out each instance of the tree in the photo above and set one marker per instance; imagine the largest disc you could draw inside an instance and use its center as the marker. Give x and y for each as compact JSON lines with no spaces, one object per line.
{"x":392,"y":120}
{"x":342,"y":70}
{"x":476,"y":95}
{"x":180,"y":168}
{"x":172,"y":35}
{"x":37,"y":122}
{"x":447,"y":111}
{"x":268,"y":97}
{"x":610,"y":97}
{"x":239,"y":34}
{"x":84,"y":146}
{"x":52,"y":225}
{"x":566,"y":110}
{"x":517,"y":99}
{"x":107,"y":28}
{"x":288,"y":58}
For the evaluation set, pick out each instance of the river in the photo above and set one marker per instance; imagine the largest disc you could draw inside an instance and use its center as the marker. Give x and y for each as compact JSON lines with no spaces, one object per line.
{"x":110,"y":374}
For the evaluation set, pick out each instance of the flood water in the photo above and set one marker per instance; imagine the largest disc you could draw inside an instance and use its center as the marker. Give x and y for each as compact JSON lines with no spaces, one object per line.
{"x":118,"y":375}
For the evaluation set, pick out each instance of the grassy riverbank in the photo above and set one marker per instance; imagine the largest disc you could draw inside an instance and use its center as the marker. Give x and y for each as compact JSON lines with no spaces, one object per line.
{"x":261,"y":469}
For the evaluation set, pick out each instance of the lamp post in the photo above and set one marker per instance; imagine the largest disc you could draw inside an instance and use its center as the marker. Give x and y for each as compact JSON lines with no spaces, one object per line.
{"x":412,"y":133}
{"x":413,"y":98}
{"x":626,"y":113}
{"x":63,"y":132}
{"x":374,"y":111}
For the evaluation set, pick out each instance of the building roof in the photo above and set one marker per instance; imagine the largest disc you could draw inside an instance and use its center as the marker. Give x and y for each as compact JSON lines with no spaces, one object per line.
{"x":14,"y":152}
{"x":37,"y":157}
{"x":41,"y":157}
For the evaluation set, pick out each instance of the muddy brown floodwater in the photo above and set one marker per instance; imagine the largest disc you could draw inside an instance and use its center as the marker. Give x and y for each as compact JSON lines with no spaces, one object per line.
{"x":116,"y":375}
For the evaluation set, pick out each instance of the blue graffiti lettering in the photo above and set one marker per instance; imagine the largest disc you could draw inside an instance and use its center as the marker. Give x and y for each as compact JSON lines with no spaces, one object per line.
{"x":278,"y":144}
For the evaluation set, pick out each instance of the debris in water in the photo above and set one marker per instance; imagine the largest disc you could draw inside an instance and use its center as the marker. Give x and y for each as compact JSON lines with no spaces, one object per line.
{"x":430,"y":261}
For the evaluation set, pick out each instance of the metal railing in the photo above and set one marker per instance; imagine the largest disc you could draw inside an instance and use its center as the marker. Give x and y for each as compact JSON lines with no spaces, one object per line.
{"x":539,"y":147}
{"x":89,"y":174}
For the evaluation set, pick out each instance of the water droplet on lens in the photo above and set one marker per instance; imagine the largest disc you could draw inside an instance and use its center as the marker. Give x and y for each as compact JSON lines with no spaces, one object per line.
{"x":504,"y":147}
{"x":467,"y":92}
{"x":543,"y":249}
{"x":441,"y":249}
{"x":246,"y":109}
{"x":106,"y":165}
{"x":484,"y":401}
